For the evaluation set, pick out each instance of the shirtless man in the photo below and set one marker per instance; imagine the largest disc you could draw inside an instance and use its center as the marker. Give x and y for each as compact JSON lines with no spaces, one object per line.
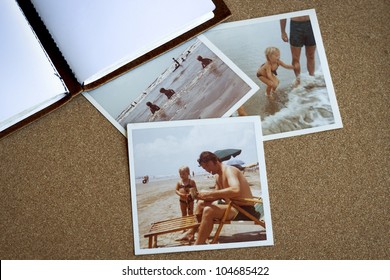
{"x":301,"y":34}
{"x":230,"y":183}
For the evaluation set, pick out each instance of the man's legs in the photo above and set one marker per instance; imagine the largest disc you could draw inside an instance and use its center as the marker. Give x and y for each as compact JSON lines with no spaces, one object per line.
{"x":310,"y":57}
{"x":296,"y":54}
{"x":210,"y":213}
{"x":190,"y":234}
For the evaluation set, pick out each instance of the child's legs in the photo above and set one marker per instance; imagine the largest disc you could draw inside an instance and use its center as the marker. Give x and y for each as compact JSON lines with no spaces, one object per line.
{"x":266,"y":81}
{"x":183,"y":208}
{"x":275,"y":82}
{"x":190,"y":208}
{"x":272,"y":84}
{"x":268,"y":90}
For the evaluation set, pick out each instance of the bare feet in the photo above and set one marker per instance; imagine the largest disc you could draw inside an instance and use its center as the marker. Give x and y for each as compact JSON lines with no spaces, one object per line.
{"x":186,"y":237}
{"x":297,"y":82}
{"x":270,"y":95}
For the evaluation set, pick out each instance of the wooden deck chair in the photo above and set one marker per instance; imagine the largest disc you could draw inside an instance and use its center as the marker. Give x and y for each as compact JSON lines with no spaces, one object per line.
{"x":233,"y":203}
{"x":168,"y":226}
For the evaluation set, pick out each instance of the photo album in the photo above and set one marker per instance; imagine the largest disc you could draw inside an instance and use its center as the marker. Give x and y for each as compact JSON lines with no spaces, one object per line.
{"x":54,"y":50}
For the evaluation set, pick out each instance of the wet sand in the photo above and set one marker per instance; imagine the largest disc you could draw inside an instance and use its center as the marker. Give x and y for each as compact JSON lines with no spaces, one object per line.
{"x":157,"y":201}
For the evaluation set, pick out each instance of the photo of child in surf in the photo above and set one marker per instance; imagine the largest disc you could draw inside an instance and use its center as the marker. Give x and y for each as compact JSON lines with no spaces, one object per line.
{"x":192,"y":81}
{"x":194,"y":170}
{"x":284,"y":55}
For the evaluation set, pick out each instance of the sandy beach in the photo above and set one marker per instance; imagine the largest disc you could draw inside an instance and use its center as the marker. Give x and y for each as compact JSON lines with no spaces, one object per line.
{"x":157,"y":201}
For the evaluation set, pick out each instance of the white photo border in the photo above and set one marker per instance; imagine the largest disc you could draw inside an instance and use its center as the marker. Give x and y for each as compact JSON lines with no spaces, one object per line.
{"x":253,"y":86}
{"x":262,"y":174}
{"x":324,"y":65}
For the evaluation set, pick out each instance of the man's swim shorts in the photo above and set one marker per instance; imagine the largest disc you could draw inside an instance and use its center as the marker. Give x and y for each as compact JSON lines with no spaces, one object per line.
{"x":301,"y":34}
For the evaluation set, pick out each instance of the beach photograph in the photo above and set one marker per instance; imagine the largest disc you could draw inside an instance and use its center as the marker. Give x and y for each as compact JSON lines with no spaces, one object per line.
{"x":192,"y":81}
{"x":165,"y":159}
{"x":296,"y":95}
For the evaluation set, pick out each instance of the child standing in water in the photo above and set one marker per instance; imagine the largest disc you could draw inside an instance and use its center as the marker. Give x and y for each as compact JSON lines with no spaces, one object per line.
{"x":267,"y":71}
{"x":184,"y":188}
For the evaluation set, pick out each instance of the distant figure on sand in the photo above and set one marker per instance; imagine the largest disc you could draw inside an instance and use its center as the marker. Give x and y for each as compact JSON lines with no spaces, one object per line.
{"x":230,"y":183}
{"x":301,"y":34}
{"x":167,"y":92}
{"x":267,"y":71}
{"x":145,"y":179}
{"x":177,"y":63}
{"x":153,"y":107}
{"x":205,"y":61}
{"x":186,"y":189}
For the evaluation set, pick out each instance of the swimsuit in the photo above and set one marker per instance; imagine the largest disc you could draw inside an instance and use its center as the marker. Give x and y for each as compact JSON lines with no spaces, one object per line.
{"x":301,"y":33}
{"x":272,"y":71}
{"x":154,"y":108}
{"x":250,"y":209}
{"x":187,"y":190}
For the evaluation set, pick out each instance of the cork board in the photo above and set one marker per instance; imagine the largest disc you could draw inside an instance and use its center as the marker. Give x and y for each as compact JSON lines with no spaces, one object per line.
{"x":65,"y":179}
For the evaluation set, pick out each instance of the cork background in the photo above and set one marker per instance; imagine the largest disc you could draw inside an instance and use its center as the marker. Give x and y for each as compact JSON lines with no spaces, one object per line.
{"x":64,"y":179}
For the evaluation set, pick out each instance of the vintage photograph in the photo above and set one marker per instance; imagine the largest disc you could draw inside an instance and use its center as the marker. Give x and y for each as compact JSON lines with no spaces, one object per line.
{"x":284,"y":55}
{"x":193,"y":81}
{"x":198,"y":185}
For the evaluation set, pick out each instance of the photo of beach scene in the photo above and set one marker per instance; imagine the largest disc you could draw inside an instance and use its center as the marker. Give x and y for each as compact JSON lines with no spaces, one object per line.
{"x":192,"y":81}
{"x":157,"y":150}
{"x":293,"y":108}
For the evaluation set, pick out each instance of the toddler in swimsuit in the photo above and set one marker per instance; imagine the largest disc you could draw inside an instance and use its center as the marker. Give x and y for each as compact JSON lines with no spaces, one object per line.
{"x":267,"y":71}
{"x":184,"y":188}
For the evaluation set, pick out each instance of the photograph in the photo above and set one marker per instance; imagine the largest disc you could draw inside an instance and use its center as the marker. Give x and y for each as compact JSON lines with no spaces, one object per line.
{"x":198,"y":185}
{"x":284,"y":55}
{"x":192,"y":81}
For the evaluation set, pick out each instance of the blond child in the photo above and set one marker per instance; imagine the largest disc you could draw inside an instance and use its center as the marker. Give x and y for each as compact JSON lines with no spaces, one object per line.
{"x":267,"y":71}
{"x":184,"y":188}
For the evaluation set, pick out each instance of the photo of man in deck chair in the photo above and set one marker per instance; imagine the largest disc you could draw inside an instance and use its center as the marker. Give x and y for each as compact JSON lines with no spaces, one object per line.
{"x":230,"y":184}
{"x":231,"y":207}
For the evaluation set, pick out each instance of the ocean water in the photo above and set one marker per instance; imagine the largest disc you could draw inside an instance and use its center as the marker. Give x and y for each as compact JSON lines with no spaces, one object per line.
{"x":200,"y":92}
{"x":305,"y":106}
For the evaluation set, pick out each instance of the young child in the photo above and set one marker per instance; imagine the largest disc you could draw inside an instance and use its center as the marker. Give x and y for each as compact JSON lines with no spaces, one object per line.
{"x":153,"y":107}
{"x":183,"y":189}
{"x":267,"y":71}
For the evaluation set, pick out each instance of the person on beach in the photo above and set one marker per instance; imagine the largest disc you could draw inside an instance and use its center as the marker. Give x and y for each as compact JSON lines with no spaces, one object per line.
{"x":168,"y":92}
{"x":185,"y":189}
{"x":230,"y":183}
{"x":205,"y":61}
{"x":267,"y":71}
{"x":301,"y":34}
{"x":153,"y":107}
{"x":177,"y":63}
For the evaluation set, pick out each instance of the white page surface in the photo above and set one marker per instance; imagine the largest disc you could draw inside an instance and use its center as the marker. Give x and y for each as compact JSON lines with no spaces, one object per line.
{"x":94,"y":34}
{"x":28,"y":80}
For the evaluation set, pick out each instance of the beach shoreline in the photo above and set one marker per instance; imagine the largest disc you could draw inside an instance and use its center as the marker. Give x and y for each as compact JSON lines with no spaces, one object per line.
{"x":157,"y":201}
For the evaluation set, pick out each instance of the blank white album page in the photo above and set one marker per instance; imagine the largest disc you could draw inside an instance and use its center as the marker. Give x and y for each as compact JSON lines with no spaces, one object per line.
{"x":98,"y":36}
{"x":28,"y":82}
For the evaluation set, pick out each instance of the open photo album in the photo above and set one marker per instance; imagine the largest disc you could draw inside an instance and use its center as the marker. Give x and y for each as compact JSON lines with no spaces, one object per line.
{"x":54,"y":50}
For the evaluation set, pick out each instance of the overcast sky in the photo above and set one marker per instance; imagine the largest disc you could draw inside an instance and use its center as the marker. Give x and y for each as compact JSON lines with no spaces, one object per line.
{"x":161,"y":151}
{"x":118,"y":94}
